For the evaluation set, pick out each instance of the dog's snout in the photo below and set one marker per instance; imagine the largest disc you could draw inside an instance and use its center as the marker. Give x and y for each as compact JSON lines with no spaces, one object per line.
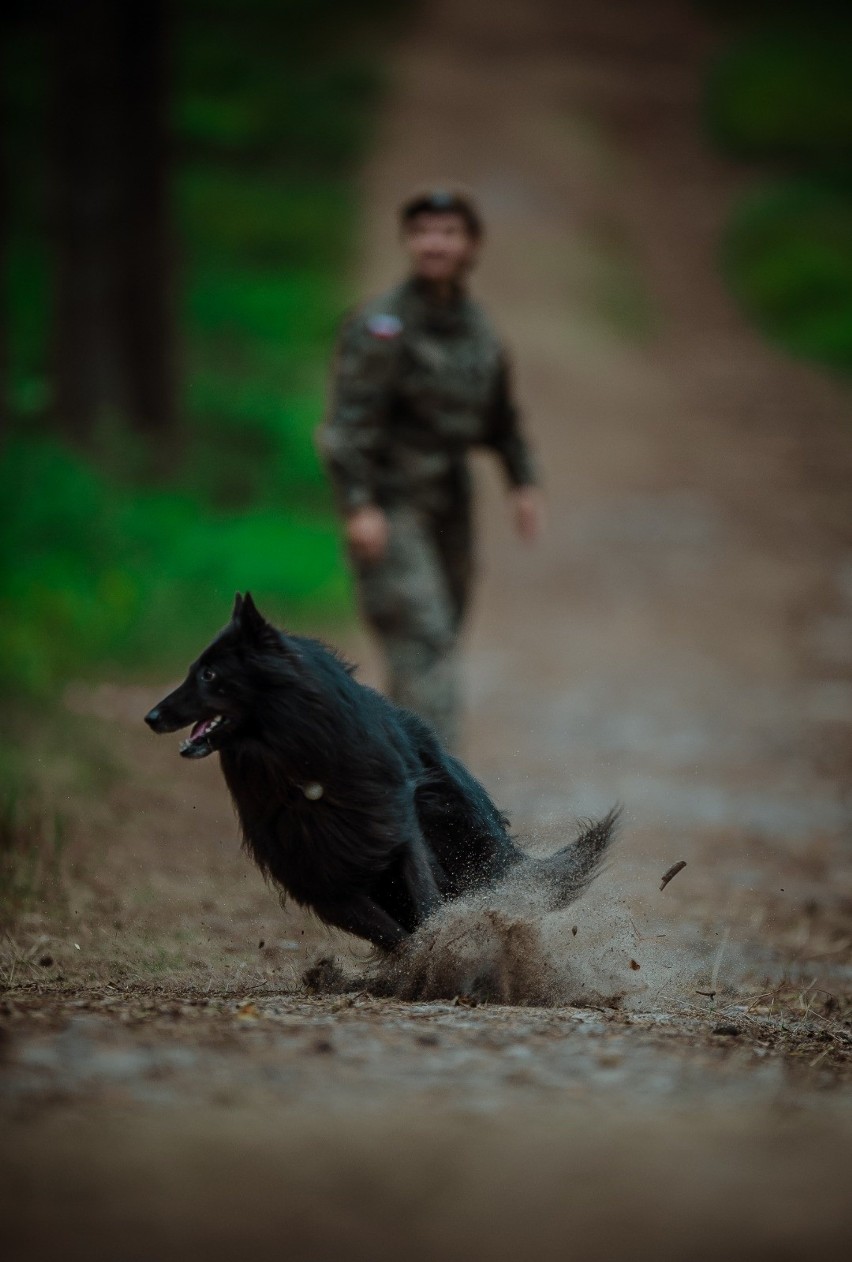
{"x":154,"y":719}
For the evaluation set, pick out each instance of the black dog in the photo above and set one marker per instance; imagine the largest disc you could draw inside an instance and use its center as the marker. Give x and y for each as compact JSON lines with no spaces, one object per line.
{"x":346,"y":800}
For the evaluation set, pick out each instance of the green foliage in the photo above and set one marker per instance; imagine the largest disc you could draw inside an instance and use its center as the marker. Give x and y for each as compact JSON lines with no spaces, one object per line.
{"x":782,"y":97}
{"x":273,"y":112}
{"x":124,"y":577}
{"x":263,"y":219}
{"x":788,"y":252}
{"x":252,"y":108}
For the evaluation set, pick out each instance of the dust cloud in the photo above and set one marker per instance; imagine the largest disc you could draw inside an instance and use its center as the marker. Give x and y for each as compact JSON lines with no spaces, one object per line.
{"x":507,"y":945}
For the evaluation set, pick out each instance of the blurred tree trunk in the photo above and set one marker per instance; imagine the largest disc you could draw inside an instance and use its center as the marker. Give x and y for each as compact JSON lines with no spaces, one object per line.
{"x":112,"y":351}
{"x":86,"y":214}
{"x":146,"y":270}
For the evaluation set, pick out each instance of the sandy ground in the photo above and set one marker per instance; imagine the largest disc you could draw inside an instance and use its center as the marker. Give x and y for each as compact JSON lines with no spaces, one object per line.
{"x":680,"y":642}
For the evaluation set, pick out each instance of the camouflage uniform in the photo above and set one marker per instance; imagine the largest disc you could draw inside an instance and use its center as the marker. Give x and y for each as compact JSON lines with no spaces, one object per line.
{"x":416,"y":384}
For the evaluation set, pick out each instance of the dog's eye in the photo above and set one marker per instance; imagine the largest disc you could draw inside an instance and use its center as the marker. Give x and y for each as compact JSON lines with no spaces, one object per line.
{"x":207,"y":674}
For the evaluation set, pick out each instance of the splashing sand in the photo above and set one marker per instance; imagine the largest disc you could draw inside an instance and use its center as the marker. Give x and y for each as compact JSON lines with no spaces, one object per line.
{"x":507,"y":944}
{"x":549,"y":933}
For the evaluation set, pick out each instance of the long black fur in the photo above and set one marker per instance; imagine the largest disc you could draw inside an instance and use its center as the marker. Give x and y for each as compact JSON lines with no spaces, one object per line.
{"x":399,"y":823}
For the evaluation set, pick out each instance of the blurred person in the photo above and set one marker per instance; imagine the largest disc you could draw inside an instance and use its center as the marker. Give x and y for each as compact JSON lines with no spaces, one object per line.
{"x":421,"y":377}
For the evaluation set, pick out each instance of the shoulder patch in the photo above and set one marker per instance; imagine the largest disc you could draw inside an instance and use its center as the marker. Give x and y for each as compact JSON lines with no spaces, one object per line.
{"x":384,"y":326}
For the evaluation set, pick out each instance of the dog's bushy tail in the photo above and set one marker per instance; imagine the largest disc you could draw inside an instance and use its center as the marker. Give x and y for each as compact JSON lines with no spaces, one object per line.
{"x":555,"y":882}
{"x":568,"y":872}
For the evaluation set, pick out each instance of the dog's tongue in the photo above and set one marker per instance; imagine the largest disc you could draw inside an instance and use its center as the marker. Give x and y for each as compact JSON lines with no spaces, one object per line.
{"x":199,"y":729}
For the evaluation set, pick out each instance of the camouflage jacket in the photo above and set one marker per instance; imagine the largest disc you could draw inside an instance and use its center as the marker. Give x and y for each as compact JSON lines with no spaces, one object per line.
{"x":416,"y":384}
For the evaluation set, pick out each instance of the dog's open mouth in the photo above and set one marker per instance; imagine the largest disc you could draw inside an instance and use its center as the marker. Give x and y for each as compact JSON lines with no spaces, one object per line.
{"x":202,"y":740}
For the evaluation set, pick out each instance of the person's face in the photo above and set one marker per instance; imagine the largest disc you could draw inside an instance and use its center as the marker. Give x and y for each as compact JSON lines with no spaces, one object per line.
{"x":439,"y":245}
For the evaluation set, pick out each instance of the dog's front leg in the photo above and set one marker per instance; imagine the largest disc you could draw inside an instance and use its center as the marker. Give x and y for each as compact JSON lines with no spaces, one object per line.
{"x":366,"y":919}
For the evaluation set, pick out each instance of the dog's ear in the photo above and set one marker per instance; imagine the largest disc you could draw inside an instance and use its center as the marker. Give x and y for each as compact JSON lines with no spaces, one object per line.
{"x":255,"y":627}
{"x":238,"y":608}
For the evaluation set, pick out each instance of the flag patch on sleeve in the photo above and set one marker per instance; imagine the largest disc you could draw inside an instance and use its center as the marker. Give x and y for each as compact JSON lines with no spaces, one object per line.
{"x":384,"y":326}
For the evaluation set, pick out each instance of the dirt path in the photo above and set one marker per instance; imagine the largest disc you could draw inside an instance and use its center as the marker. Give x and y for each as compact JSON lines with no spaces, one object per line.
{"x":680,"y":642}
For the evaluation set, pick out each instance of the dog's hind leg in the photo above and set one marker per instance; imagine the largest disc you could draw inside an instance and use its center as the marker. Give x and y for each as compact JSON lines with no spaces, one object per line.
{"x":364,"y":917}
{"x":464,"y":830}
{"x":420,"y":880}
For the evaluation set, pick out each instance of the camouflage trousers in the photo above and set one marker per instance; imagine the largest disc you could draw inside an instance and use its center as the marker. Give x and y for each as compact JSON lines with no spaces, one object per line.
{"x":414,"y":600}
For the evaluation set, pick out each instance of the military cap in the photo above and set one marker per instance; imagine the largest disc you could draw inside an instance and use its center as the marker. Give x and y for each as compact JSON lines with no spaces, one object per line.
{"x":444,"y":199}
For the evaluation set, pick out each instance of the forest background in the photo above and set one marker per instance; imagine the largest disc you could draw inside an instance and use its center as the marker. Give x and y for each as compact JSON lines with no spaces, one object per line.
{"x":179,"y":192}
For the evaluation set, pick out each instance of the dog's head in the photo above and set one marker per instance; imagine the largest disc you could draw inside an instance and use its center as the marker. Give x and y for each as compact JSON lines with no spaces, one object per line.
{"x":220,"y":694}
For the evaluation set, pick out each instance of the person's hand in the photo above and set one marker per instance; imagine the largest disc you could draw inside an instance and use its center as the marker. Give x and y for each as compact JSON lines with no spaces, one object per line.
{"x":528,"y":511}
{"x":367,"y":533}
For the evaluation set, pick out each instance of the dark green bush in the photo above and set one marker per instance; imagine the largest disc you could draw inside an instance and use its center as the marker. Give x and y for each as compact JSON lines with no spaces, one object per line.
{"x":788,"y":253}
{"x":780,"y":97}
{"x":114,"y":576}
{"x":785,"y":95}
